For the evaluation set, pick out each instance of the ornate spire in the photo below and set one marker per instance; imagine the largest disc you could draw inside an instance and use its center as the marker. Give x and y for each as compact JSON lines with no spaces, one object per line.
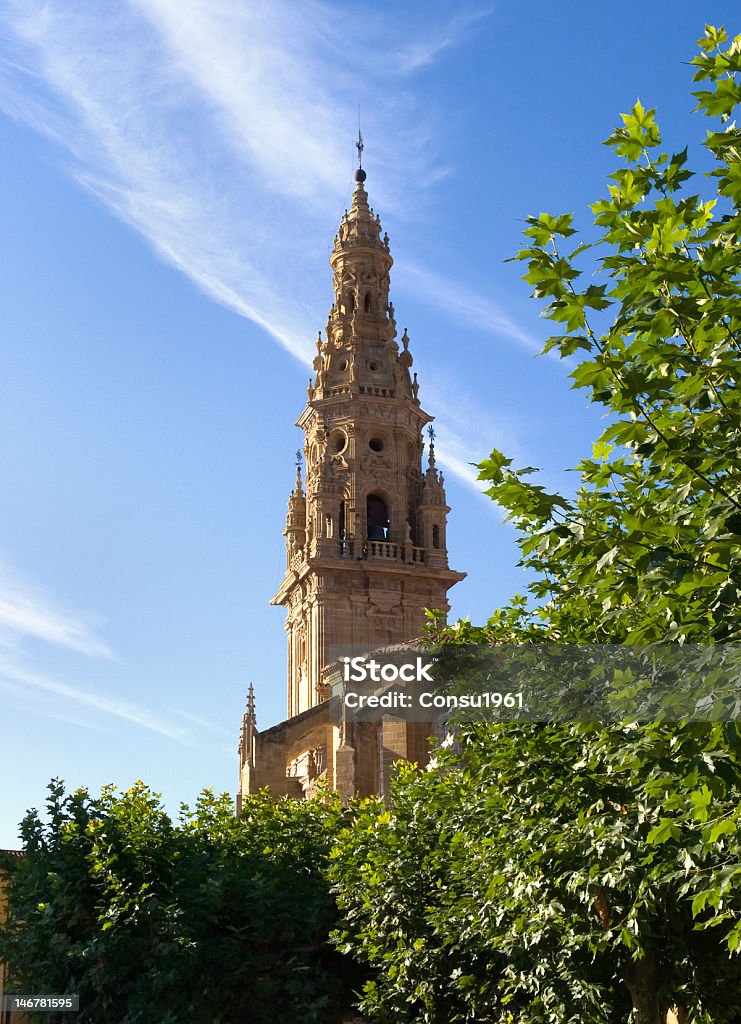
{"x":360,"y":355}
{"x":251,"y":717}
{"x":295,"y":531}
{"x":365,"y":534}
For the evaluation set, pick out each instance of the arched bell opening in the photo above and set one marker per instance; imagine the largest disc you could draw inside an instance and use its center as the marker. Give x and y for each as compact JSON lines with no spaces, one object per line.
{"x":367,"y":304}
{"x":377,"y":518}
{"x":342,"y":527}
{"x":436,"y":536}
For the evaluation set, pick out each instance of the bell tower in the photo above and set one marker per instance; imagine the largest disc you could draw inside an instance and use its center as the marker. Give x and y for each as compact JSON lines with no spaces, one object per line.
{"x":365,"y":532}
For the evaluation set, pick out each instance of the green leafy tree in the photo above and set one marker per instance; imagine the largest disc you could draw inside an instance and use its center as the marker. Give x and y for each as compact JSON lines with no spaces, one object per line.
{"x":545,"y":874}
{"x":649,"y":548}
{"x":213,"y":918}
{"x":575,"y":872}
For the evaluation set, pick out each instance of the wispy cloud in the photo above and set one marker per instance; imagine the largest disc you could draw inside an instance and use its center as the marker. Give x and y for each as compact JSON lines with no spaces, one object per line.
{"x":26,"y":610}
{"x":219,"y":130}
{"x":423,"y":51}
{"x":109,"y":705}
{"x":464,"y":304}
{"x":201,"y":722}
{"x":466,"y":433}
{"x":216,"y":129}
{"x":36,"y":703}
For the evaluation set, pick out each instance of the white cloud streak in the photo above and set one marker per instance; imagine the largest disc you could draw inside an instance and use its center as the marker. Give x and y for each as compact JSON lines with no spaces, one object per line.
{"x":27,"y":611}
{"x":424,"y":51}
{"x":218,"y":131}
{"x":38,"y":704}
{"x":465,"y":434}
{"x":201,"y":722}
{"x":127,"y":710}
{"x":464,"y":304}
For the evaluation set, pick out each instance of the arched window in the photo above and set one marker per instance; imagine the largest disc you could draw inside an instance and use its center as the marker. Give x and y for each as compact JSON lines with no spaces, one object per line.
{"x":351,"y":303}
{"x":377,"y":518}
{"x":367,"y":302}
{"x":436,"y":536}
{"x":341,"y":528}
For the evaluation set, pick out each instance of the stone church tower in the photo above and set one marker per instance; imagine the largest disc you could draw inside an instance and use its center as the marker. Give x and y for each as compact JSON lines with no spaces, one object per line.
{"x":366,"y":532}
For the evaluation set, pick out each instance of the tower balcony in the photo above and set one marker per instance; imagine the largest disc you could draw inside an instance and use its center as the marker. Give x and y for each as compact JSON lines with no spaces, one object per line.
{"x":340,"y":390}
{"x":379,"y":552}
{"x":355,"y":549}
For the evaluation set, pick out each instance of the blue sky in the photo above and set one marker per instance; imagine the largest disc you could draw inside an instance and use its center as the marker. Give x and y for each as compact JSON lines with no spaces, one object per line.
{"x":172,"y":178}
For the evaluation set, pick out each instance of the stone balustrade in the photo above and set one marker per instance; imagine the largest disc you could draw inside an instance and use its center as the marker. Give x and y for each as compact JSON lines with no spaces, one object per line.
{"x":382,"y":551}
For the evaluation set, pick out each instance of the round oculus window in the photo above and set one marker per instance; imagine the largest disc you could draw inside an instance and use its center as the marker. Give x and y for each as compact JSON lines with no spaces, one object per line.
{"x":376,"y":444}
{"x":338,"y":441}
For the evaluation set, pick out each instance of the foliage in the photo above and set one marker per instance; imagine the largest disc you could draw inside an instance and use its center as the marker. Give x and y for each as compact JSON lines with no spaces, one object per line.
{"x":546,"y":874}
{"x":575,"y":872}
{"x":649,"y":548}
{"x":215,"y":918}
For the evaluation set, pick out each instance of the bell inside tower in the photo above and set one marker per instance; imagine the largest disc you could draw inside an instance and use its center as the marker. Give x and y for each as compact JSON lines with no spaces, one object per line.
{"x":377,"y":518}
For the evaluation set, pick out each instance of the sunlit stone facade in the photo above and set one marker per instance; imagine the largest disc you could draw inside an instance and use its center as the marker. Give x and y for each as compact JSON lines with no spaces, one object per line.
{"x":366,"y":549}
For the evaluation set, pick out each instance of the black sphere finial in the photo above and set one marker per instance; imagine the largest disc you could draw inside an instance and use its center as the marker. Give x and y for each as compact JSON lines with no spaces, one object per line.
{"x":360,"y":175}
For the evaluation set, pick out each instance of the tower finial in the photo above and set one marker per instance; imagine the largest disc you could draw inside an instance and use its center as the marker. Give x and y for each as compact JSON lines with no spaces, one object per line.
{"x":251,"y":704}
{"x":359,"y":143}
{"x":431,"y":434}
{"x":360,"y":146}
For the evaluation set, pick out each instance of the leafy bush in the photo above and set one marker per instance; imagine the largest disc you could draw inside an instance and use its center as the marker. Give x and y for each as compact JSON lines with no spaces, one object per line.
{"x":214,"y":918}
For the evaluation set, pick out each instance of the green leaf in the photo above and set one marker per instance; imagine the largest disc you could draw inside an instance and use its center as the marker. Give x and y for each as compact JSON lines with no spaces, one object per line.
{"x":722,"y":828}
{"x":665,"y":830}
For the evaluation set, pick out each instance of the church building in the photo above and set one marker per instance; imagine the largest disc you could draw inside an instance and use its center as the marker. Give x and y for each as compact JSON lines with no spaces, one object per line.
{"x":365,"y":533}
